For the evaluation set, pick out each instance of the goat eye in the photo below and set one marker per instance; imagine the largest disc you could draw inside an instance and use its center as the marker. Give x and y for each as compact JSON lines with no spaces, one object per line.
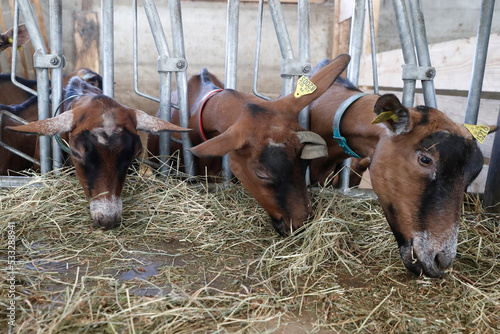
{"x":264,"y":176}
{"x":425,"y":160}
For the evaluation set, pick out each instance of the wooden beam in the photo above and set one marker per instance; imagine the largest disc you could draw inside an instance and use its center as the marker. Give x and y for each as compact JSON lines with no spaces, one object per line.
{"x":452,"y":60}
{"x":87,"y":40}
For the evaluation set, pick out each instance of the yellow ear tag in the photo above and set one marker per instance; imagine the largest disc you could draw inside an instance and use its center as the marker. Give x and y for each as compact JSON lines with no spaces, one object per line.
{"x":304,"y":87}
{"x":385,"y":116}
{"x":479,"y":132}
{"x":11,"y":40}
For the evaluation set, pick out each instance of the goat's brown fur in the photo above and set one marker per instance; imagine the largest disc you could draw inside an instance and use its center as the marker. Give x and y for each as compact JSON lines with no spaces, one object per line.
{"x":421,"y":202}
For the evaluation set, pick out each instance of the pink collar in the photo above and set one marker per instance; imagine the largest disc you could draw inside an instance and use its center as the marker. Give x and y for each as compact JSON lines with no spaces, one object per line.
{"x":207,"y":97}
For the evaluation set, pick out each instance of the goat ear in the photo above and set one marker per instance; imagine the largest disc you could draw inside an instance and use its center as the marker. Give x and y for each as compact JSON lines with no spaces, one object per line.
{"x":392,"y":114}
{"x":230,"y":140}
{"x":49,"y":126}
{"x":149,"y":123}
{"x":323,"y":79}
{"x":22,"y":34}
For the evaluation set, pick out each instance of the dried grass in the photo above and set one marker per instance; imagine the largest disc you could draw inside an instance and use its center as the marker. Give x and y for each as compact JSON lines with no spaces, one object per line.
{"x":190,"y":260}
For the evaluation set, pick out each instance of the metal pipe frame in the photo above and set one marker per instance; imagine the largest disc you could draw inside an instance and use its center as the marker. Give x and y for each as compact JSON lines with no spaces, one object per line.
{"x":304,"y":11}
{"x":373,"y":46}
{"x":42,"y":74}
{"x":355,"y":49}
{"x":479,"y":64}
{"x":165,"y":78}
{"x":424,"y":59}
{"x":284,"y":43}
{"x":181,"y":78}
{"x":107,"y":46}
{"x":135,"y":57}
{"x":232,"y":24}
{"x":408,"y":48}
{"x":57,"y":72}
{"x":260,"y":11}
{"x":167,"y":65}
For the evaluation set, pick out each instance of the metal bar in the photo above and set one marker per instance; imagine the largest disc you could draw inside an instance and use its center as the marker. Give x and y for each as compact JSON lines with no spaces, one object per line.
{"x":57,"y":73}
{"x":355,"y":49}
{"x":304,"y":8}
{"x":255,"y":90}
{"x":165,"y":77}
{"x":135,"y":57}
{"x":422,"y":48}
{"x":233,"y":22}
{"x":482,"y":41}
{"x":408,"y":49}
{"x":284,"y":42}
{"x":10,"y":148}
{"x":107,"y":45}
{"x":18,"y":181}
{"x":181,"y":78}
{"x":356,"y":41}
{"x":492,"y":186}
{"x":373,"y":46}
{"x":42,"y":75}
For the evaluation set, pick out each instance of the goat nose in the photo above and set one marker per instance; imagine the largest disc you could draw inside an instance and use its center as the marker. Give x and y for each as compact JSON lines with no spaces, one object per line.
{"x":106,"y":212}
{"x":443,"y":260}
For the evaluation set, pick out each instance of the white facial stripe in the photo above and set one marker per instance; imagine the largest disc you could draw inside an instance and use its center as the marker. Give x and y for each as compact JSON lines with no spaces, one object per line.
{"x":273,"y":143}
{"x":106,"y":209}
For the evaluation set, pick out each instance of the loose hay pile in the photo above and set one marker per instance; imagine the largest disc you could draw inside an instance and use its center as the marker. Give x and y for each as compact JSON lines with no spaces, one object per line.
{"x":189,"y":260}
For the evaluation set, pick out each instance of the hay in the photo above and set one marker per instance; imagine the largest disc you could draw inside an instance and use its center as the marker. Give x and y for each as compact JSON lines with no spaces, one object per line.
{"x":190,"y":260}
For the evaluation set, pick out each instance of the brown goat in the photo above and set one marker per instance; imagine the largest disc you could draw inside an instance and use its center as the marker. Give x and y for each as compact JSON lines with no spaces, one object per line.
{"x":268,"y":149}
{"x":27,"y":109}
{"x":103,"y":142}
{"x":421,"y":162}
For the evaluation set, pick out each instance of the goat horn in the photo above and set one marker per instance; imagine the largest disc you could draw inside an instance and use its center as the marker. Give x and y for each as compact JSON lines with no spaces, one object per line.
{"x":315,"y":145}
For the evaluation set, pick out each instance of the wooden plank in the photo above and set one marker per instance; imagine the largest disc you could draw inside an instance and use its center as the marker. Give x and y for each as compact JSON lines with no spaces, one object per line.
{"x":87,"y":40}
{"x":341,"y":31}
{"x":452,"y":60}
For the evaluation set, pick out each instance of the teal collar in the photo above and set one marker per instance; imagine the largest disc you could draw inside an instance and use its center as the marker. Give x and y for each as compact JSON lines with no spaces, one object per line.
{"x":336,"y":124}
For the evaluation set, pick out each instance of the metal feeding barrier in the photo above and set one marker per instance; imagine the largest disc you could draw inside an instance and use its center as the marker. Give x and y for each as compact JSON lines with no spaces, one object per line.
{"x":413,"y":43}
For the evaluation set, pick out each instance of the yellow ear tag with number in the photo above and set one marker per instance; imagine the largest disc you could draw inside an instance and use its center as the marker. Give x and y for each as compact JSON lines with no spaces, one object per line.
{"x":304,"y":87}
{"x":385,"y":116}
{"x":479,"y":132}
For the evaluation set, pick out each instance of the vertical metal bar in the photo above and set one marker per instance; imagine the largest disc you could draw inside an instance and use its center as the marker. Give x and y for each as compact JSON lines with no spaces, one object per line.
{"x":165,"y":77}
{"x":356,"y":41}
{"x":373,"y":46}
{"x":284,"y":42}
{"x":408,"y":49}
{"x":482,"y":41}
{"x":255,"y":89}
{"x":304,"y":8}
{"x":355,"y":48}
{"x":135,"y":58}
{"x":233,"y":22}
{"x":56,"y":74}
{"x":107,"y":45}
{"x":42,"y":75}
{"x":422,"y":47}
{"x":181,"y":78}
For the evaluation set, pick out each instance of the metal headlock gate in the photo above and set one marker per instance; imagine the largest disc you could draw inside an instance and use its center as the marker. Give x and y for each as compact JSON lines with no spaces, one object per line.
{"x":417,"y":66}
